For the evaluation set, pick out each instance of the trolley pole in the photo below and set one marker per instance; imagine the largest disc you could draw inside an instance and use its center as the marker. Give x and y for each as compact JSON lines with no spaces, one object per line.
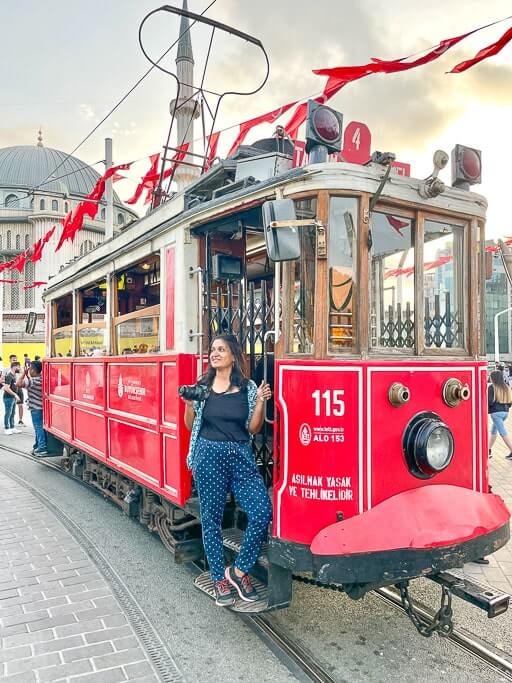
{"x":496,"y":335}
{"x":109,"y":192}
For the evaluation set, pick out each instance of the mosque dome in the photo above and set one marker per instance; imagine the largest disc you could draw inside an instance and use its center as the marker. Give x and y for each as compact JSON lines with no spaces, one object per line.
{"x":24,"y":167}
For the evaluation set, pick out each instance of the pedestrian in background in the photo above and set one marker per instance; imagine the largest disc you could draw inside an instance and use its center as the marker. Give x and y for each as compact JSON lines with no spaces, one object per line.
{"x":32,"y":380}
{"x":10,"y":398}
{"x":499,"y":399}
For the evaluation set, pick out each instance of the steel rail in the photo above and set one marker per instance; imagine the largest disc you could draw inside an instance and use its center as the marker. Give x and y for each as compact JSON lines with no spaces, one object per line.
{"x":293,"y":653}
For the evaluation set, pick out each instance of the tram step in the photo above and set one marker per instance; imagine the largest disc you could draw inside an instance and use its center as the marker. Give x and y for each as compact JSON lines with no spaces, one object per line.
{"x":491,"y":600}
{"x":233,"y":538}
{"x":205,"y":584}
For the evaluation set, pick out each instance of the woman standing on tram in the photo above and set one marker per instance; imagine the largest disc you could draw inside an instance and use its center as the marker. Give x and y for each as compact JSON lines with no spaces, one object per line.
{"x":222,"y":460}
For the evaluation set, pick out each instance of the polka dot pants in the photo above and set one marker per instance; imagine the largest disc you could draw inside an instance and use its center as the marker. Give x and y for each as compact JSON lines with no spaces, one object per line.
{"x":220,"y":467}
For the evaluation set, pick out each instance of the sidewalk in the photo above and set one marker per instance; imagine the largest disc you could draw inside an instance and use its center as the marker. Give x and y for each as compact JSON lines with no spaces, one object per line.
{"x":59,"y":619}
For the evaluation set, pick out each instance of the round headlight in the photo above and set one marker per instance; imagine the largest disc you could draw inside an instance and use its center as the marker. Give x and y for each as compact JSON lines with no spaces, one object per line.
{"x":428,"y":445}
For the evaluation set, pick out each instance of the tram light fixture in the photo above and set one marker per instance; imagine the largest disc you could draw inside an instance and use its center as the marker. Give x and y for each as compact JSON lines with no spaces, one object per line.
{"x":324,"y":127}
{"x":428,"y":445}
{"x":466,"y":167}
{"x":454,"y":392}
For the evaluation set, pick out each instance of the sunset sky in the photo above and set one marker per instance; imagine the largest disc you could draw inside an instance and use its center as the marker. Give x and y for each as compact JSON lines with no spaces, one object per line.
{"x":65,"y":64}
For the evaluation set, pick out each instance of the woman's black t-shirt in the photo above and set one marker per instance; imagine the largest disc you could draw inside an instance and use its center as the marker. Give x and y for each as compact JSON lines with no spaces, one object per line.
{"x":225,"y":417}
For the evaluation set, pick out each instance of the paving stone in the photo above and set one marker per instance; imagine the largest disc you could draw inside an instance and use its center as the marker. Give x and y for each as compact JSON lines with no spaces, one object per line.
{"x":57,"y":645}
{"x":138,"y":669}
{"x":10,"y":610}
{"x":25,"y":618}
{"x":79,"y":627}
{"x":8,"y":654}
{"x":52,"y":674}
{"x":71,"y":607}
{"x":32,"y":663}
{"x":109,"y":676}
{"x":144,"y":679}
{"x":97,"y":612}
{"x":54,"y":591}
{"x":87,"y":652}
{"x":13,"y":630}
{"x":46,"y":604}
{"x":127,"y":643}
{"x":52,"y":622}
{"x":24,"y":677}
{"x":108,"y":634}
{"x":28,"y":638}
{"x":119,"y":658}
{"x":115,"y":620}
{"x":90,"y":595}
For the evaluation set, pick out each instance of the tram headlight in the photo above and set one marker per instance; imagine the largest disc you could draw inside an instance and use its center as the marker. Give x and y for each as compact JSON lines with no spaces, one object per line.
{"x":428,"y":445}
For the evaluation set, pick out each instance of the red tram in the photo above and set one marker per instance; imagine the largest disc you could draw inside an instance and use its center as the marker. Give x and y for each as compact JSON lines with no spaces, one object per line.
{"x":361,"y":296}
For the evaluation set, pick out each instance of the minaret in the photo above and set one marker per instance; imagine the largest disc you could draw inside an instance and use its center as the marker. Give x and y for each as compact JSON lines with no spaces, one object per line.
{"x":185,"y":115}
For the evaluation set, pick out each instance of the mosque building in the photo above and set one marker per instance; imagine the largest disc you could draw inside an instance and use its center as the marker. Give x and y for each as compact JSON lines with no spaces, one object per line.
{"x":38,"y":187}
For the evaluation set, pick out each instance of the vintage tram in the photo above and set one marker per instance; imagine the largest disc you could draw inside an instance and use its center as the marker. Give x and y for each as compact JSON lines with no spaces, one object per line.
{"x":359,"y":293}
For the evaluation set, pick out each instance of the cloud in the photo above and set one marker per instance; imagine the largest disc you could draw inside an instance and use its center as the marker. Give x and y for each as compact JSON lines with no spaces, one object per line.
{"x":87,"y":111}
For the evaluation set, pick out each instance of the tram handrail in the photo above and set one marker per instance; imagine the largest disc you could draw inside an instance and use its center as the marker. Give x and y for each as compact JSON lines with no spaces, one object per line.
{"x":199,"y":334}
{"x":265,"y":368}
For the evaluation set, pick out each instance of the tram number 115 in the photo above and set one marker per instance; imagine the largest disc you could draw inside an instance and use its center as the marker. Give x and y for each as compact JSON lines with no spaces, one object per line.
{"x":331,"y":400}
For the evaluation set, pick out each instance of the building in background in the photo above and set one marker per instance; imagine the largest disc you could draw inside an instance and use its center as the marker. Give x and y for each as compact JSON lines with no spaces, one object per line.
{"x":38,"y":187}
{"x":498,"y":297}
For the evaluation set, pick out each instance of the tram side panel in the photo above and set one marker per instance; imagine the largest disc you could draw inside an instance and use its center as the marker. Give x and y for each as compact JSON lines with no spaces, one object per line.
{"x":126,"y":413}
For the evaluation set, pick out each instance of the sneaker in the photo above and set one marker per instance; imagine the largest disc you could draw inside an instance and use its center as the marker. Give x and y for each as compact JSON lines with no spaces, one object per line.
{"x":17,"y":431}
{"x":242,"y":584}
{"x":7,"y":431}
{"x":481,"y":560}
{"x":21,"y":423}
{"x":223,"y":594}
{"x":509,"y":456}
{"x":38,"y":452}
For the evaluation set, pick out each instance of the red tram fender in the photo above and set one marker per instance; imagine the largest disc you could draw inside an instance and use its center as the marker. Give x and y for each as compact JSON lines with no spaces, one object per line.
{"x":427,"y":517}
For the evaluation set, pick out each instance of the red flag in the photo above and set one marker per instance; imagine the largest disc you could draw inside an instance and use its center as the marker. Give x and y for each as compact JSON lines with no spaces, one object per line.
{"x":7,"y":265}
{"x":153,"y":171}
{"x":37,"y":251}
{"x":37,"y":283}
{"x":211,"y":150}
{"x":9,"y":282}
{"x":246,"y":126}
{"x":484,"y":53}
{"x":49,"y":234}
{"x":18,"y":262}
{"x":397,"y":224}
{"x":152,"y":180}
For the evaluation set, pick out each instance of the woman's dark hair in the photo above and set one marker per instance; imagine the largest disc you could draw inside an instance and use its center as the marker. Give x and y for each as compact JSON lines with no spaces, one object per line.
{"x":502,"y":392}
{"x":237,"y":378}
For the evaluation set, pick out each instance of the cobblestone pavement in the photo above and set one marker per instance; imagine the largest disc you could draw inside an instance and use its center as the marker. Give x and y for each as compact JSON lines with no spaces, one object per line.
{"x":59,"y":619}
{"x":498,"y":573}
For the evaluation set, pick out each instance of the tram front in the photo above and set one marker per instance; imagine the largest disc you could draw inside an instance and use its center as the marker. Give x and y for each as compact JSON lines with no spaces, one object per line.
{"x":380,"y":383}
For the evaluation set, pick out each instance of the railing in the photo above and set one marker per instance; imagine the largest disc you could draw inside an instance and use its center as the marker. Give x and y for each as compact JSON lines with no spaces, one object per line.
{"x":138,"y":332}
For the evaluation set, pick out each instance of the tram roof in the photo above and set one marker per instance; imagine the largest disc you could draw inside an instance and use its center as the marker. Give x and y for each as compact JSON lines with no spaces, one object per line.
{"x":331,"y":176}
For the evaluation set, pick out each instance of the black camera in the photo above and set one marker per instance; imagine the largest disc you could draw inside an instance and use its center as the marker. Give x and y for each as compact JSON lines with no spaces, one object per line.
{"x":193,"y":392}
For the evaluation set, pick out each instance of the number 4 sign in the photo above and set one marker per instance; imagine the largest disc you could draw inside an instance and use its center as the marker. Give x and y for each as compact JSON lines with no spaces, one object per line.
{"x":356,"y":143}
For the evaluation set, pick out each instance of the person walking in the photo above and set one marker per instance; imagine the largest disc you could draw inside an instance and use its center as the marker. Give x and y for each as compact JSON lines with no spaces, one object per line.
{"x":10,"y":398}
{"x":221,"y":459}
{"x":32,"y":379}
{"x":499,"y":400}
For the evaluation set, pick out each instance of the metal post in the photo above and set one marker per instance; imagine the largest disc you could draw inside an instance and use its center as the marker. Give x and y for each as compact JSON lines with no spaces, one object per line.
{"x":496,"y":334}
{"x":109,"y":193}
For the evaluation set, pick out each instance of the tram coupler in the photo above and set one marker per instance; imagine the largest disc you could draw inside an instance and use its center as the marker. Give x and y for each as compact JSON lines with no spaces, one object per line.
{"x":491,"y":600}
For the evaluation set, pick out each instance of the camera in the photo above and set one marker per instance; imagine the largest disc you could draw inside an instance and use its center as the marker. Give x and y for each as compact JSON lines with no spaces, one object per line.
{"x":193,"y":392}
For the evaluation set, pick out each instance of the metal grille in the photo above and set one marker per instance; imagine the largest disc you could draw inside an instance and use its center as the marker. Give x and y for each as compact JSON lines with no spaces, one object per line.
{"x":397,"y":328}
{"x":29,"y":279}
{"x":248,"y":313}
{"x":443,"y":330}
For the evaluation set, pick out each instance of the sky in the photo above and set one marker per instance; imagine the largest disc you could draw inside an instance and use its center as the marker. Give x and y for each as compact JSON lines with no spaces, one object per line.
{"x":66,"y":63}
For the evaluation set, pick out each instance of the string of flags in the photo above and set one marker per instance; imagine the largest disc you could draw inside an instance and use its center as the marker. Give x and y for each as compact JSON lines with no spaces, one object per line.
{"x":337,"y":78}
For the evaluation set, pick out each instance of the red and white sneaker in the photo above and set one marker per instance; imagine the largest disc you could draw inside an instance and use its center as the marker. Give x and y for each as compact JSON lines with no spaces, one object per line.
{"x":223,"y":593}
{"x":243,"y":585}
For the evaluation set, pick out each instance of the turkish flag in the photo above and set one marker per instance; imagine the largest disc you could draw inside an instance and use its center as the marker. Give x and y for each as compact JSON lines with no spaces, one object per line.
{"x":246,"y":126}
{"x":9,"y":282}
{"x":37,"y":283}
{"x":153,"y":171}
{"x":152,"y":180}
{"x":18,"y":262}
{"x":6,"y":266}
{"x":397,"y":224}
{"x":484,"y":53}
{"x":211,"y":149}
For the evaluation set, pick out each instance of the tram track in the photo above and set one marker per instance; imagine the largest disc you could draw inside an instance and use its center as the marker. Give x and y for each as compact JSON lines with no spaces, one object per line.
{"x":293,"y":655}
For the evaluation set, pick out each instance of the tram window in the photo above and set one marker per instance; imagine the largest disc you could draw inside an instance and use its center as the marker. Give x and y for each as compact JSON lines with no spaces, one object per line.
{"x":443,"y":268}
{"x":303,"y":277}
{"x":62,"y":334}
{"x":392,"y":320}
{"x":138,"y":308}
{"x":341,"y":260}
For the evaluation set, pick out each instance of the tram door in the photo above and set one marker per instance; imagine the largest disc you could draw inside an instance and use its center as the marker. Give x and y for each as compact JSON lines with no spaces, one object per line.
{"x":239,"y":300}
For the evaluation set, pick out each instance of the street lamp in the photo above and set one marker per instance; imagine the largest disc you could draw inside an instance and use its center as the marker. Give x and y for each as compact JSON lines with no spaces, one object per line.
{"x":496,"y":336}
